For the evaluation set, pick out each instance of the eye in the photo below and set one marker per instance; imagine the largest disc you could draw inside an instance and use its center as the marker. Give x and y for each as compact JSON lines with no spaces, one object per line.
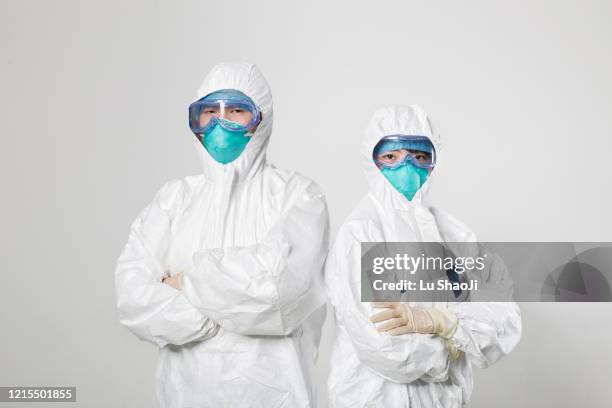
{"x":391,"y":156}
{"x":209,"y":111}
{"x":238,"y":111}
{"x":422,"y":157}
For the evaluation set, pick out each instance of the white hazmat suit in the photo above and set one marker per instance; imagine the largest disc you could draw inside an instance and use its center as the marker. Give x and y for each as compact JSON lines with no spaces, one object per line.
{"x":372,"y":369}
{"x":251,"y":241}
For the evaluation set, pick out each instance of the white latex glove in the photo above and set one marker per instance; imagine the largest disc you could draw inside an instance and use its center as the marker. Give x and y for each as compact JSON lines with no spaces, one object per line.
{"x":399,"y":318}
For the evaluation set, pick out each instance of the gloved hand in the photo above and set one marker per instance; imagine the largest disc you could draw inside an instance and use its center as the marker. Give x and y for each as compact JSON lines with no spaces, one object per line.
{"x":453,"y":352}
{"x":400,"y":318}
{"x":175,"y":281}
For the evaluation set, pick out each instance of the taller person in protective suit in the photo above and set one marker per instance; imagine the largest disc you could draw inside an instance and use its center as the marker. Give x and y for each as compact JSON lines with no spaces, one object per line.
{"x":412,"y":354}
{"x":223,"y":270}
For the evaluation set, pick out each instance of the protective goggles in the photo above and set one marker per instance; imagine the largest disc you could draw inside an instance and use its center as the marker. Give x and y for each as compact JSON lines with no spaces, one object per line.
{"x":396,"y":150}
{"x":229,"y":108}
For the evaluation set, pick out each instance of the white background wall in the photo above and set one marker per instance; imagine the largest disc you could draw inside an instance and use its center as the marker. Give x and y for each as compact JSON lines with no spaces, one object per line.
{"x":93,"y":122}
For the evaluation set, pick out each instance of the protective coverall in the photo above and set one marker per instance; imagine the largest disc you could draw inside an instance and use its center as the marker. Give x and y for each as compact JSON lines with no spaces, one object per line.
{"x":251,"y":241}
{"x":372,"y":369}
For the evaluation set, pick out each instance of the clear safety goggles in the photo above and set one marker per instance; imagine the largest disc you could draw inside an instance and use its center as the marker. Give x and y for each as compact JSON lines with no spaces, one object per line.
{"x":229,"y":108}
{"x":396,"y":150}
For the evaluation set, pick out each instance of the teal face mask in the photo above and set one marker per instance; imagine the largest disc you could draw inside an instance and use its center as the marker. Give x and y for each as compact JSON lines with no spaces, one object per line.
{"x":225,"y":145}
{"x":407,"y":179}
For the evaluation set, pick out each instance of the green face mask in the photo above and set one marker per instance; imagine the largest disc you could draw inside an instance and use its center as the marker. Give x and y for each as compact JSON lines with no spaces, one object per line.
{"x":225,"y":145}
{"x":407,"y":179}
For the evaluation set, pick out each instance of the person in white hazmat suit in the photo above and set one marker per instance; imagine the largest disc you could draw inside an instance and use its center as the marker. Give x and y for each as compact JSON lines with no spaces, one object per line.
{"x":223,"y":271}
{"x":406,"y":354}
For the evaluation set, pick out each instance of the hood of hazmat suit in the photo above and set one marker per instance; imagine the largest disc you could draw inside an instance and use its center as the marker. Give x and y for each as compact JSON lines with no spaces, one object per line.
{"x":250,"y":240}
{"x":410,"y":370}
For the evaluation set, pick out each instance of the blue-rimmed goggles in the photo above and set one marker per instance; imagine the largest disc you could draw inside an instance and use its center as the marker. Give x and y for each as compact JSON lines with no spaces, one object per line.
{"x":394,"y":151}
{"x":229,"y":108}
